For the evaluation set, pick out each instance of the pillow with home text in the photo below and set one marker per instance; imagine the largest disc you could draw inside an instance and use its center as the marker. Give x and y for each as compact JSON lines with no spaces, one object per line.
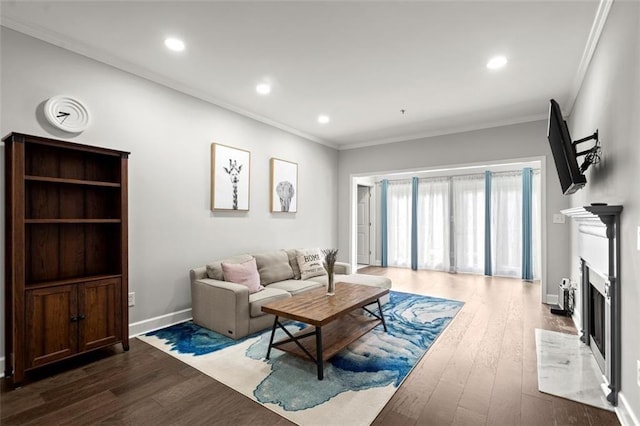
{"x":310,"y":263}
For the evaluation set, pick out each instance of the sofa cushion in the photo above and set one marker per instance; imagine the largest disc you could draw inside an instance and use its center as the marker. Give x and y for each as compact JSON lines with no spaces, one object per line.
{"x":273,"y":266}
{"x":293,"y":261}
{"x":256,"y":300}
{"x":310,"y":263}
{"x":243,"y":273}
{"x":295,"y":286}
{"x":372,"y":280}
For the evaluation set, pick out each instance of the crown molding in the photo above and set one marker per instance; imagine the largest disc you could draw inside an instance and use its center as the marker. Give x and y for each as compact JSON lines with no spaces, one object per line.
{"x":587,"y":55}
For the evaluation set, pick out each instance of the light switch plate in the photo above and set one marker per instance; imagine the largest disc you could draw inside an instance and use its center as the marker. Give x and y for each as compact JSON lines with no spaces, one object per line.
{"x":558,"y":218}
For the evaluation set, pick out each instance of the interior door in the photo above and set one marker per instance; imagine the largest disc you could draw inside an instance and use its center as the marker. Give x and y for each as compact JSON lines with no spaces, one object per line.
{"x":364,"y":224}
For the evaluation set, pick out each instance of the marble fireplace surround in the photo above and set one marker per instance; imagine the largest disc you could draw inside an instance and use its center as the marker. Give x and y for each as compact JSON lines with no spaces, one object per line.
{"x":599,"y":248}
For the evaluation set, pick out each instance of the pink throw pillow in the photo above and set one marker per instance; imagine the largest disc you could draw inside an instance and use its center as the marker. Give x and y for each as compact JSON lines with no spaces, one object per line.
{"x":243,"y":273}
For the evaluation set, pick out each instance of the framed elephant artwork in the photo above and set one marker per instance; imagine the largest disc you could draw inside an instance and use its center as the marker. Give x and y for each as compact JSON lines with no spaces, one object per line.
{"x":230,"y":170}
{"x":284,"y":186}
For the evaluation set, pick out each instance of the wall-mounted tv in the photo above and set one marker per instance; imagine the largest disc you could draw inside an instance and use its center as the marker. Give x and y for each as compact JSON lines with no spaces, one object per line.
{"x":564,"y":152}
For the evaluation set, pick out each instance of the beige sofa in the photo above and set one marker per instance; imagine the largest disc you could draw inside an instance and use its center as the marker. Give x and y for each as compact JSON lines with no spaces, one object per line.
{"x":229,"y":309}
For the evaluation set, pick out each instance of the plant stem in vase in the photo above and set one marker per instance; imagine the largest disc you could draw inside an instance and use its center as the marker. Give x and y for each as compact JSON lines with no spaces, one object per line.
{"x":329,"y":263}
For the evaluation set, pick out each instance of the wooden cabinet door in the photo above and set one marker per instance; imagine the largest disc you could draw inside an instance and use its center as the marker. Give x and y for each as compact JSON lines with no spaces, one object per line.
{"x":52,"y":324}
{"x":100,"y":306}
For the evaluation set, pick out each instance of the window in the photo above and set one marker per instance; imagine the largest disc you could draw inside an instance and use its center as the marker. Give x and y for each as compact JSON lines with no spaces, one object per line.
{"x":468,"y":223}
{"x":451,"y":222}
{"x":399,"y":223}
{"x":433,"y":224}
{"x":506,"y":224}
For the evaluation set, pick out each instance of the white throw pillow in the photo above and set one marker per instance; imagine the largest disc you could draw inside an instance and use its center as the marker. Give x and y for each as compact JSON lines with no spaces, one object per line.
{"x":310,"y":263}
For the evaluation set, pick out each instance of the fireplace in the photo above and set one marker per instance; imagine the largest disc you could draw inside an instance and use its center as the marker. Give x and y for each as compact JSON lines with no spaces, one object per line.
{"x":598,"y":317}
{"x":596,"y":325}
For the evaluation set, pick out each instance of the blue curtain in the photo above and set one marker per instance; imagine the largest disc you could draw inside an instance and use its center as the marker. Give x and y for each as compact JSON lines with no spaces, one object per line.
{"x":527,"y":223}
{"x":383,"y":220}
{"x":487,"y":223}
{"x":414,"y":223}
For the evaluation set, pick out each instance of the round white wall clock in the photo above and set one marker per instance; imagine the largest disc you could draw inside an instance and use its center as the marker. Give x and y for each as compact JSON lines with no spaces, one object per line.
{"x":67,"y":114}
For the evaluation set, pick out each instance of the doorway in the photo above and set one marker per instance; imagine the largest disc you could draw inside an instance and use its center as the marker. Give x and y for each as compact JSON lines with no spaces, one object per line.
{"x":364,"y":225}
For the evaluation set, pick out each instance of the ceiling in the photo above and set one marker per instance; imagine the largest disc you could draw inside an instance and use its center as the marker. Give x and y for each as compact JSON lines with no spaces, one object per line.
{"x":360,"y":63}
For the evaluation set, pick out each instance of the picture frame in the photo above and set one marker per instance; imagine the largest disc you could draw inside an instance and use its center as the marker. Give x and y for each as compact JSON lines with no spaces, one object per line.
{"x":230,"y":178}
{"x":283,"y":186}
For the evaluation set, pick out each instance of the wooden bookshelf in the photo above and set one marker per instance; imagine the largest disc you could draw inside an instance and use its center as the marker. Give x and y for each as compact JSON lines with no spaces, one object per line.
{"x":66,"y":263}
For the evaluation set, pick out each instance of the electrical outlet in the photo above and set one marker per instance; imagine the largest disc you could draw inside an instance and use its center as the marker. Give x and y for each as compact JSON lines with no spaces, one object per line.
{"x":558,"y":218}
{"x":132,"y":298}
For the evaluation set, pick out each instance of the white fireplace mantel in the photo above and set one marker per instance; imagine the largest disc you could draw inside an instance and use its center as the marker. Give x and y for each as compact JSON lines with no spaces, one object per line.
{"x":599,"y":247}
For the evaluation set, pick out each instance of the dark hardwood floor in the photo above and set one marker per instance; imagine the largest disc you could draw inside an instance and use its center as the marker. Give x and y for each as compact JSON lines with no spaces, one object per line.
{"x":482,"y":370}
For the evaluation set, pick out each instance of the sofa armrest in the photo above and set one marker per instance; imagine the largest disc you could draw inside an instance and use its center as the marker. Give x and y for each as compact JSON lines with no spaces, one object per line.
{"x":198,"y":273}
{"x":221,"y":306}
{"x":342,"y":268}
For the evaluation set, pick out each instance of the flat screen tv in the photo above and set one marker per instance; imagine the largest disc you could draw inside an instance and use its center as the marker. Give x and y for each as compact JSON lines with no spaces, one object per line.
{"x":564,"y":151}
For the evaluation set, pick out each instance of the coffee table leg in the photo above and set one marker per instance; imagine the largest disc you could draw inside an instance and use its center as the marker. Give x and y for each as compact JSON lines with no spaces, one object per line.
{"x":273,"y":332}
{"x":319,"y":353}
{"x":384,"y":324}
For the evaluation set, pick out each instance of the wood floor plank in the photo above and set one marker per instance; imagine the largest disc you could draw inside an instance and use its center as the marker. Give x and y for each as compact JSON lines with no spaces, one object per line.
{"x":181,"y":391}
{"x":506,"y":396}
{"x":480,"y":371}
{"x":441,"y":407}
{"x":78,"y":412}
{"x":465,"y":417}
{"x":536,"y":411}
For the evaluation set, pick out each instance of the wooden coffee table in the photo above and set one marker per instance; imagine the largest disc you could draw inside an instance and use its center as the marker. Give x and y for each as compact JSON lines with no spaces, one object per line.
{"x":335,"y":321}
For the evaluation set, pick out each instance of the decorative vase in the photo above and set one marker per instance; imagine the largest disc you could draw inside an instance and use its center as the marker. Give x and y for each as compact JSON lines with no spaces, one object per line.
{"x":331,"y":286}
{"x":329,"y":263}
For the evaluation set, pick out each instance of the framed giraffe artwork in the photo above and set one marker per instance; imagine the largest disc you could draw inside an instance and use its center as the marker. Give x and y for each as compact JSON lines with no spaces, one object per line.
{"x":284,"y":186}
{"x":230,"y":172}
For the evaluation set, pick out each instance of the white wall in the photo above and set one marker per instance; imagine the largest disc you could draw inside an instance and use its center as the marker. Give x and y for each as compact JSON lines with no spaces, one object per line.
{"x":609,"y":100}
{"x":169,"y":136}
{"x":520,"y":141}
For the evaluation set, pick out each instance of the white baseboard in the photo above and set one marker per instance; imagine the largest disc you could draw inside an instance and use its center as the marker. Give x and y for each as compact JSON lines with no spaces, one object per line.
{"x":151,"y":324}
{"x":552,"y":299}
{"x":625,"y":414}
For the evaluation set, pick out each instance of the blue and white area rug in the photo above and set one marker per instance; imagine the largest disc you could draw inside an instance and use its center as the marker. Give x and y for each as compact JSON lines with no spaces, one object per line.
{"x":358,"y":381}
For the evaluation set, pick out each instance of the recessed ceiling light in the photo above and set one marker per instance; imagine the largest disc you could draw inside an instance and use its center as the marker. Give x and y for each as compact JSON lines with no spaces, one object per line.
{"x":174,"y":44}
{"x":497,"y":62}
{"x":263,"y":88}
{"x":323,"y":119}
